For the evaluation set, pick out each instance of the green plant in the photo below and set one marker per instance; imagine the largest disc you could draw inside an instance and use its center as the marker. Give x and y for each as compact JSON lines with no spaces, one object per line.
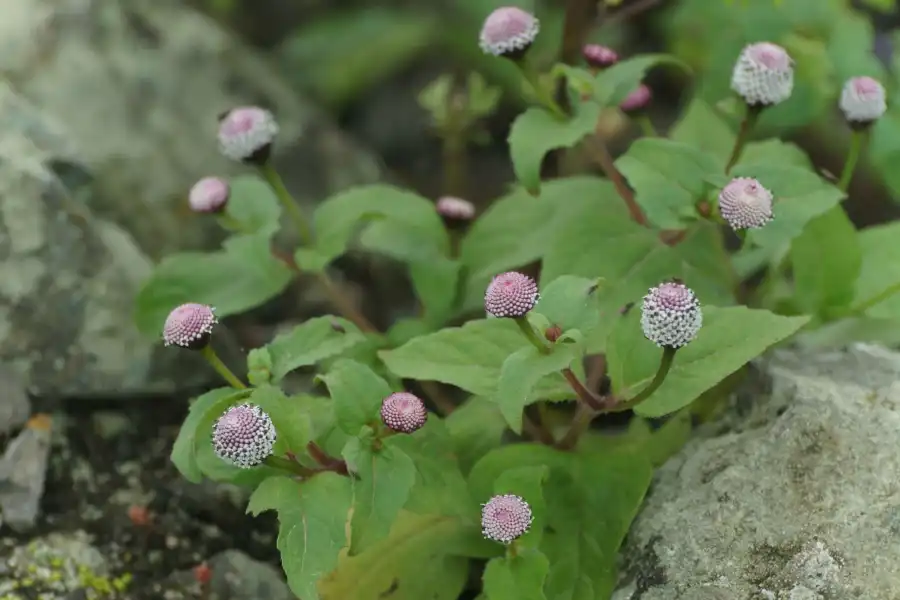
{"x":638,"y":307}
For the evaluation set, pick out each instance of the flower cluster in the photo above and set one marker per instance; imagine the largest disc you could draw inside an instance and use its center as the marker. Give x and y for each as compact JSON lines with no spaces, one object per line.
{"x":189,"y":326}
{"x":511,"y":295}
{"x":670,"y":315}
{"x":403,"y":412}
{"x":244,"y":436}
{"x":508,"y":31}
{"x":763,"y":74}
{"x":745,"y":204}
{"x":505,"y":518}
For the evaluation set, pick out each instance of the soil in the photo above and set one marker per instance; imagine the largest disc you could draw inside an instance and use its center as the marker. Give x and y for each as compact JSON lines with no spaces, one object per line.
{"x":106,"y":462}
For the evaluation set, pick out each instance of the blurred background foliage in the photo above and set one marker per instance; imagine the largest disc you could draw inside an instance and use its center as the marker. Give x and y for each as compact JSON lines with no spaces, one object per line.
{"x":368,"y":62}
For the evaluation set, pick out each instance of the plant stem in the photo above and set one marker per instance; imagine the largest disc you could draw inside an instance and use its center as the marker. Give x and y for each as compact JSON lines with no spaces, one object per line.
{"x":213,"y":359}
{"x":326,"y":460}
{"x":444,"y":405}
{"x":230,"y":223}
{"x":580,"y":423}
{"x":750,"y":118}
{"x":665,"y":364}
{"x":540,"y":92}
{"x":876,"y":299}
{"x":344,"y":306}
{"x":270,"y":174}
{"x":585,"y":395}
{"x":283,"y":464}
{"x":532,"y":335}
{"x":857,"y":140}
{"x":646,"y":125}
{"x":603,"y":158}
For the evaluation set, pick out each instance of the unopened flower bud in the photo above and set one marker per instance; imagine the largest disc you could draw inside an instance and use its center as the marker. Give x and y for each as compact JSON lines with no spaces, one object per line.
{"x":863,"y":100}
{"x":455,"y":212}
{"x":505,"y":518}
{"x":763,"y":74}
{"x":510,"y":295}
{"x":553,"y":333}
{"x":509,"y":31}
{"x":671,"y":315}
{"x":189,"y":326}
{"x":637,"y":100}
{"x":209,"y":195}
{"x":599,"y":57}
{"x":745,"y":204}
{"x":244,"y":436}
{"x":403,"y":412}
{"x":246,"y":134}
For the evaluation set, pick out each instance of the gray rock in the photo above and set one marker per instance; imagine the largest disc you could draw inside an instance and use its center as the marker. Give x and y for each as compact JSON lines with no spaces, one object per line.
{"x":794,"y":496}
{"x":135,"y":88}
{"x":15,"y":406}
{"x":53,"y":566}
{"x":23,"y":470}
{"x":235,"y":576}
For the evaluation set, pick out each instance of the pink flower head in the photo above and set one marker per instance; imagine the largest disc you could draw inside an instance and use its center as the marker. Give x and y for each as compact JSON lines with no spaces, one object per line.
{"x":244,"y":436}
{"x":505,"y":518}
{"x":745,"y":204}
{"x":636,"y":100}
{"x":599,"y":57}
{"x":403,"y":412}
{"x":209,"y":195}
{"x":246,"y":134}
{"x":671,"y":315}
{"x":763,"y":74}
{"x":189,"y":326}
{"x":510,"y":295}
{"x":455,"y":212}
{"x":863,"y":100}
{"x":508,"y":31}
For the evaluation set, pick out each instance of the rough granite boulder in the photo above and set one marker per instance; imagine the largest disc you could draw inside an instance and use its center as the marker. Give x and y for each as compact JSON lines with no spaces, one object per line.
{"x":107,"y":116}
{"x":794,"y":496}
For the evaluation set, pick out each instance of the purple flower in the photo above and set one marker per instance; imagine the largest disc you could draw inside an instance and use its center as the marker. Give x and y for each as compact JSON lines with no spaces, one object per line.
{"x":505,"y":518}
{"x":508,"y":31}
{"x":863,"y":100}
{"x":745,"y":204}
{"x":209,"y":195}
{"x":246,"y":134}
{"x":189,"y":326}
{"x":599,"y":57}
{"x":455,"y":209}
{"x":671,"y":315}
{"x":510,"y":295}
{"x":636,"y":100}
{"x":244,"y":436}
{"x":763,"y":74}
{"x":403,"y":412}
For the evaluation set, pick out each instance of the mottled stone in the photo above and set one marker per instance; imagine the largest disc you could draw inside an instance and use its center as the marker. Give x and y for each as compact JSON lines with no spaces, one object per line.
{"x":135,"y":88}
{"x":793,"y":496}
{"x":15,"y":405}
{"x":235,"y":576}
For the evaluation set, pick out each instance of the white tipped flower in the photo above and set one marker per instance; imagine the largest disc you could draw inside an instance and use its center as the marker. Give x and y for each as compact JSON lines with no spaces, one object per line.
{"x":505,"y":518}
{"x":763,"y":74}
{"x":745,"y":204}
{"x":863,"y":100}
{"x":671,"y":315}
{"x":246,"y":134}
{"x":508,"y":31}
{"x":244,"y":436}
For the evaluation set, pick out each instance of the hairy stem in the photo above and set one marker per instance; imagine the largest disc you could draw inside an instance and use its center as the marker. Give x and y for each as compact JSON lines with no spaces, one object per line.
{"x":326,"y":460}
{"x":857,"y":141}
{"x":293,"y":467}
{"x":750,"y":118}
{"x":605,"y":160}
{"x":646,"y":125}
{"x":343,"y":305}
{"x":270,"y":174}
{"x":213,"y":359}
{"x":586,"y":396}
{"x":541,"y":94}
{"x":580,"y":423}
{"x":665,"y":364}
{"x":532,"y":335}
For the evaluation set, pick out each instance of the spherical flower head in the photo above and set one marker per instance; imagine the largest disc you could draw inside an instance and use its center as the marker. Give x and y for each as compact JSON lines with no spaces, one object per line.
{"x":863,"y":100}
{"x":209,"y":195}
{"x":455,"y":212}
{"x":505,"y":518}
{"x":671,"y":315}
{"x":246,"y":134}
{"x":403,"y":412}
{"x":599,"y":57}
{"x":244,"y":436}
{"x":636,"y":100}
{"x":763,"y":74}
{"x":189,"y":326}
{"x":510,"y":295}
{"x":508,"y":31}
{"x":745,"y":204}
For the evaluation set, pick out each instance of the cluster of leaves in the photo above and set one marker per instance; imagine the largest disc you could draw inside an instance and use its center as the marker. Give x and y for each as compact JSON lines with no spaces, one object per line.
{"x":402,"y":520}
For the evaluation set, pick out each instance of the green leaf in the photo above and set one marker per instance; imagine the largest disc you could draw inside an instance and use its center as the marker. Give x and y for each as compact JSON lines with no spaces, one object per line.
{"x":294,"y":427}
{"x":520,"y":373}
{"x":527,"y":483}
{"x":382,"y":483}
{"x":435,"y":282}
{"x":393,"y":221}
{"x":469,"y":357}
{"x":519,"y":577}
{"x":879,"y":277}
{"x":357,"y":393}
{"x":614,"y":84}
{"x":668,"y":178}
{"x":241,"y":276}
{"x":184,"y":450}
{"x":312,"y":517}
{"x":800,"y":196}
{"x":418,"y":560}
{"x":475,"y":428}
{"x":826,"y":260}
{"x":310,"y":342}
{"x":259,"y":366}
{"x":253,"y":205}
{"x":536,"y":132}
{"x":729,"y":339}
{"x":571,"y":302}
{"x":704,"y":128}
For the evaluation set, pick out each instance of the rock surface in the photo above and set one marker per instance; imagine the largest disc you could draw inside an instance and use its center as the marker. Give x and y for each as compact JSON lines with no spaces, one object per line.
{"x":107,"y":116}
{"x":794,"y":496}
